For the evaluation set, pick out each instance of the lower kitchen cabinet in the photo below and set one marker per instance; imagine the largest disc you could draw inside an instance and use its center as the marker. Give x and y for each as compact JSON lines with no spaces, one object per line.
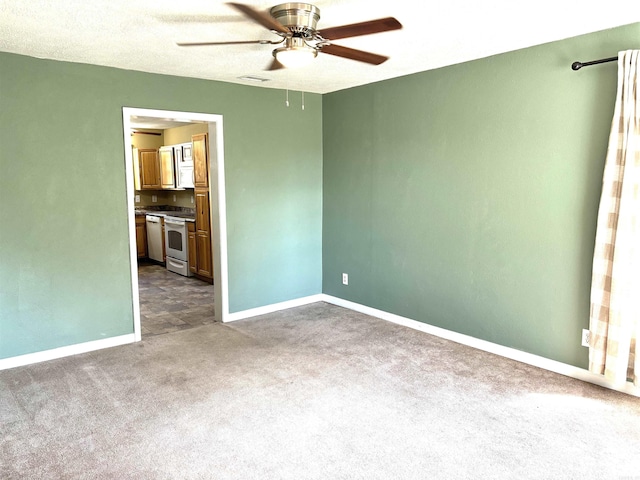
{"x":203,"y":234}
{"x":202,"y":210}
{"x":141,"y":236}
{"x":199,"y":250}
{"x":192,"y":247}
{"x":203,"y":246}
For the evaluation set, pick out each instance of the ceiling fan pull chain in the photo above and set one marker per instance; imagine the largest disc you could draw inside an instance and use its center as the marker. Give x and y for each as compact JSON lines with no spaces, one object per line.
{"x":287,"y":100}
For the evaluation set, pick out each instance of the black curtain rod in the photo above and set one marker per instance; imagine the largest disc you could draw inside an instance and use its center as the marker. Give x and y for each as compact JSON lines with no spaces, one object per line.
{"x":579,"y":65}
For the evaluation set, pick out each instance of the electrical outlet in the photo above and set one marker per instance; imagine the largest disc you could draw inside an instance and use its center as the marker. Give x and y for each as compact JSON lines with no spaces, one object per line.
{"x":174,"y":198}
{"x":154,"y":198}
{"x":191,"y":198}
{"x":586,"y":337}
{"x":345,"y":279}
{"x":137,"y":198}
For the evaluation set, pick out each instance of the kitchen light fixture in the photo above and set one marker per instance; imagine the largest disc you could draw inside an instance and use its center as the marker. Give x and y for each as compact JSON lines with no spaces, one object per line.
{"x":296,"y":53}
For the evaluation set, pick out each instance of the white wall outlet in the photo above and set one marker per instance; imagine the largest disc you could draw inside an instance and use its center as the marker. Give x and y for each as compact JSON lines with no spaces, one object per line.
{"x":174,"y":198}
{"x":345,"y":279}
{"x":154,"y":198}
{"x":191,"y":198}
{"x":586,"y":337}
{"x":137,"y":198}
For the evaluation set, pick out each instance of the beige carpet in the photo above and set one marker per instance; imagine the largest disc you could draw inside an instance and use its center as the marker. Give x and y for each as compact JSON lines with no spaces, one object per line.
{"x":316,"y":392}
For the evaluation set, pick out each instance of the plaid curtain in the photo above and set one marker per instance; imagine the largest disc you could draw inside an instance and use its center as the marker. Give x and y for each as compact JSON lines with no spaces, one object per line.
{"x":615,"y":289}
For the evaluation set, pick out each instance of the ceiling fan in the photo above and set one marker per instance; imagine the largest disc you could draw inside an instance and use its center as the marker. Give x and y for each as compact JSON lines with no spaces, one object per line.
{"x":296,"y":24}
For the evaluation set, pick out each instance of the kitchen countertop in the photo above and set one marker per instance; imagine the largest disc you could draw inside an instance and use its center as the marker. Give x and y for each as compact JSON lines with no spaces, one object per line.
{"x":185,"y":214}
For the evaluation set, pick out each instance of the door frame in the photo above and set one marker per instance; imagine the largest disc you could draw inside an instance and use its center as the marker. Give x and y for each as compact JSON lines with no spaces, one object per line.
{"x":217,"y":205}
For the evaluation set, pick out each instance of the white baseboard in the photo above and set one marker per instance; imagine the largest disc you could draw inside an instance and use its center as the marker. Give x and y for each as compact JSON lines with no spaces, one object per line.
{"x":275,"y":307}
{"x":69,"y":350}
{"x":76,"y":349}
{"x":512,"y":353}
{"x":507,"y":352}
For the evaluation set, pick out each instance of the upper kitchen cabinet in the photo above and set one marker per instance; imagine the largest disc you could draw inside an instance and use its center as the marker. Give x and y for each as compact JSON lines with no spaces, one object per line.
{"x":200,"y":160}
{"x":171,"y":159}
{"x":167,"y":173}
{"x":154,"y":169}
{"x":149,"y":169}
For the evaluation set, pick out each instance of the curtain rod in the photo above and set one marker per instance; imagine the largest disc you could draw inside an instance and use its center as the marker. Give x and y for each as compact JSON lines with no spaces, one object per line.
{"x":579,"y":65}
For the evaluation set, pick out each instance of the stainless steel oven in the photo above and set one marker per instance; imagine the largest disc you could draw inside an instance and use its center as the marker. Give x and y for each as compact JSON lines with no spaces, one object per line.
{"x":176,"y":240}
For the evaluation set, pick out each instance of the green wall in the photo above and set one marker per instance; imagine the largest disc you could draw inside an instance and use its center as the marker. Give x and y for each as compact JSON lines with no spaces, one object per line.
{"x":64,"y":267}
{"x":466,"y":197}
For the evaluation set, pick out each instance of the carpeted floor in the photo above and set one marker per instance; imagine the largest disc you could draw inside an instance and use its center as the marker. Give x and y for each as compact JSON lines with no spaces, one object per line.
{"x":315,"y":392}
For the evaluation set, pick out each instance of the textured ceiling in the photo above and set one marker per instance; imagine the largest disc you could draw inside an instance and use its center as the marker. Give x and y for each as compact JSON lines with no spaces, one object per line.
{"x":142,"y":35}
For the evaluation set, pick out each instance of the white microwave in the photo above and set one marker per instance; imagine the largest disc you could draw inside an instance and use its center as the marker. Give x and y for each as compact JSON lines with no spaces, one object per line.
{"x":184,"y":166}
{"x":186,"y":153}
{"x":184,"y":176}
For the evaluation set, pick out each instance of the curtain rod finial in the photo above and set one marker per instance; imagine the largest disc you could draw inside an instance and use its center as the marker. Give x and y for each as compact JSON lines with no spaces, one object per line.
{"x":576,"y":66}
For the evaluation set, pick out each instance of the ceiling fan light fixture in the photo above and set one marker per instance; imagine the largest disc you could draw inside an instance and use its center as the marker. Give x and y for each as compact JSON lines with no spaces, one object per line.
{"x":296,"y":25}
{"x":295,"y":54}
{"x":295,"y":57}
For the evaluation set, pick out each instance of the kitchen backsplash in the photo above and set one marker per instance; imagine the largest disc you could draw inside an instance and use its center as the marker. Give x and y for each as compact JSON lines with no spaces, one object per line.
{"x":176,"y":198}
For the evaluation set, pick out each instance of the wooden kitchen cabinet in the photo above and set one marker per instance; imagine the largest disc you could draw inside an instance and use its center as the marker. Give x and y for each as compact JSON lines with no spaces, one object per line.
{"x":141,"y":236}
{"x":203,"y":247}
{"x":200,"y":160}
{"x":203,"y":234}
{"x":192,"y":247}
{"x":202,"y":210}
{"x":166,"y":167}
{"x":149,"y":169}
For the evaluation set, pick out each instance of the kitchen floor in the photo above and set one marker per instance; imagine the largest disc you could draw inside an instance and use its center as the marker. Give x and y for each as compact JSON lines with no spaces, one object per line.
{"x":170,"y":302}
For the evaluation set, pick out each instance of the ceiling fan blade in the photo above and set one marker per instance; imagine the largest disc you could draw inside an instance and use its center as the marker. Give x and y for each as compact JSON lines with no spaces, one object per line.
{"x":362,"y":28}
{"x":275,"y":65}
{"x":241,"y":42}
{"x":353,"y":54}
{"x":262,"y":18}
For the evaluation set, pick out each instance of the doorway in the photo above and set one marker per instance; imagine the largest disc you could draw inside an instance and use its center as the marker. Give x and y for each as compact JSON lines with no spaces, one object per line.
{"x":161,"y":119}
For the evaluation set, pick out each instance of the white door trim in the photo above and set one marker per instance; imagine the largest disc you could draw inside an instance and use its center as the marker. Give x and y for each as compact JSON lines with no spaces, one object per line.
{"x":217,"y":205}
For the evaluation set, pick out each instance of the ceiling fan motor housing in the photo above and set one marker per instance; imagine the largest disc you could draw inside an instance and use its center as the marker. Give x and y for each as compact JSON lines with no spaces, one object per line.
{"x":299,"y":18}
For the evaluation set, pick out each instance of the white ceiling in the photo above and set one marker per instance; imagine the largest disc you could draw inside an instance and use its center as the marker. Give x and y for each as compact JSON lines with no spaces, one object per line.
{"x":142,"y":35}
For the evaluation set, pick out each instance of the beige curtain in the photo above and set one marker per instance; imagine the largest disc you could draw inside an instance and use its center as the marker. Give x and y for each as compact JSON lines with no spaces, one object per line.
{"x":615,"y":290}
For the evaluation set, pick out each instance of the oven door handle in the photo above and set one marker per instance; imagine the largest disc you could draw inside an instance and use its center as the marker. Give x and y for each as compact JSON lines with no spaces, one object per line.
{"x":177,"y":224}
